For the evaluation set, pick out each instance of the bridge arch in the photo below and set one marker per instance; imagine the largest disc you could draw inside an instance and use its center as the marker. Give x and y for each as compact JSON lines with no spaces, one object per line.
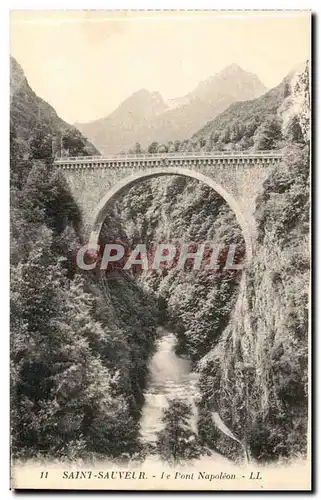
{"x":129,"y":181}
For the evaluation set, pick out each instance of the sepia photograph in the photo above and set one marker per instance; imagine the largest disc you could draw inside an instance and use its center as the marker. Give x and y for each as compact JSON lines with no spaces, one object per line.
{"x":160,"y":250}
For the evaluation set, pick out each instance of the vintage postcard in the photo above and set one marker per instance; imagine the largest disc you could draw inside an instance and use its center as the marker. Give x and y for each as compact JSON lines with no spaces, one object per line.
{"x":160,"y":250}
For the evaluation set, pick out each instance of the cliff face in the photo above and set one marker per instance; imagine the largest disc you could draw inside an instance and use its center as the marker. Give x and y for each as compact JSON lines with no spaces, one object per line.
{"x":257,"y":375}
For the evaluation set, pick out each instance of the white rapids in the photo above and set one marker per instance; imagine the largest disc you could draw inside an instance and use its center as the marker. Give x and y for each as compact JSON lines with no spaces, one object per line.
{"x":170,"y":377}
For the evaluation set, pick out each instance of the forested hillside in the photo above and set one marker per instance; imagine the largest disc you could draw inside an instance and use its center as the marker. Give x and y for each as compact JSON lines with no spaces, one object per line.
{"x":39,"y":130}
{"x":79,"y":346}
{"x":180,"y":209}
{"x":250,"y":125}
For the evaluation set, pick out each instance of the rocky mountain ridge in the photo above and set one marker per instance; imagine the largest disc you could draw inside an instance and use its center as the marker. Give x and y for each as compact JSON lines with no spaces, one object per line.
{"x":145,"y":117}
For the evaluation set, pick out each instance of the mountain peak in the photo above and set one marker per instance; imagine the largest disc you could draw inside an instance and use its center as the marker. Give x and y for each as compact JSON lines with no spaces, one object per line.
{"x":142,"y":93}
{"x":17,"y":76}
{"x":235,"y":71}
{"x":232,"y":81}
{"x":232,"y":68}
{"x":142,"y":103}
{"x":144,"y":117}
{"x":145,"y":95}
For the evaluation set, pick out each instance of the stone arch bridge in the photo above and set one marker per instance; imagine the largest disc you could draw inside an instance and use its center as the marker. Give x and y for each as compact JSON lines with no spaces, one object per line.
{"x":97,"y":181}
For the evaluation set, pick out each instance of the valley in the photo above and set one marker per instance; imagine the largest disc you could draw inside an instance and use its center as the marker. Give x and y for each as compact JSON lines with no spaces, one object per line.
{"x":113,"y":369}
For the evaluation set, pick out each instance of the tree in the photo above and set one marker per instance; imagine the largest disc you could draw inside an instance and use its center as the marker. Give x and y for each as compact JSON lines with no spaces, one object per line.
{"x":177,"y":443}
{"x":163,"y":148}
{"x":40,"y":144}
{"x":74,"y":143}
{"x":268,"y":134}
{"x":47,"y":199}
{"x":293,"y":131}
{"x":177,"y":146}
{"x":137,"y":149}
{"x":153,"y":148}
{"x":19,"y":168}
{"x":61,"y":389}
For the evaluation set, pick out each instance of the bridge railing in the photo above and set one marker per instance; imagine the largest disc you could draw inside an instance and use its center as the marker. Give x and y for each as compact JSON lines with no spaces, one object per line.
{"x":200,"y":154}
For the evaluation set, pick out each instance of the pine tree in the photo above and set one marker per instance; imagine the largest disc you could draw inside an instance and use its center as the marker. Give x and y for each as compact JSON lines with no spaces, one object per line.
{"x":177,"y":443}
{"x":41,"y":143}
{"x":73,"y":142}
{"x":153,"y":148}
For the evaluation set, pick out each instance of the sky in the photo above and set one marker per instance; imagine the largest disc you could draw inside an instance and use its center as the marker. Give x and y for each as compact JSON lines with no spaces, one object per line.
{"x":85,"y":63}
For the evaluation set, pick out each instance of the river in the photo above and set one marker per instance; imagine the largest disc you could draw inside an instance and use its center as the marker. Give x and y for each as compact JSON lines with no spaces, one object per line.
{"x":170,"y":377}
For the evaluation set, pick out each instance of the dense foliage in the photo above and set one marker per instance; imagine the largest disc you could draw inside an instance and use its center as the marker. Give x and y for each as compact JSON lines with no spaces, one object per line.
{"x":196,"y":304}
{"x":79,"y":345}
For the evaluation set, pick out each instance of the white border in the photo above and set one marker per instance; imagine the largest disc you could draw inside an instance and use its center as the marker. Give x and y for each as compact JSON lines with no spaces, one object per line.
{"x":4,"y":196}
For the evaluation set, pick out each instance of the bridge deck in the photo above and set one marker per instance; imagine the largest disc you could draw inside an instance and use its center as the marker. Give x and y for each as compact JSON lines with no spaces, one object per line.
{"x":169,"y":156}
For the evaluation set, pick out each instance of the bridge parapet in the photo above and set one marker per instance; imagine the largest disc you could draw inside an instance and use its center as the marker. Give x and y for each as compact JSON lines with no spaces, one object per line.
{"x":171,"y":159}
